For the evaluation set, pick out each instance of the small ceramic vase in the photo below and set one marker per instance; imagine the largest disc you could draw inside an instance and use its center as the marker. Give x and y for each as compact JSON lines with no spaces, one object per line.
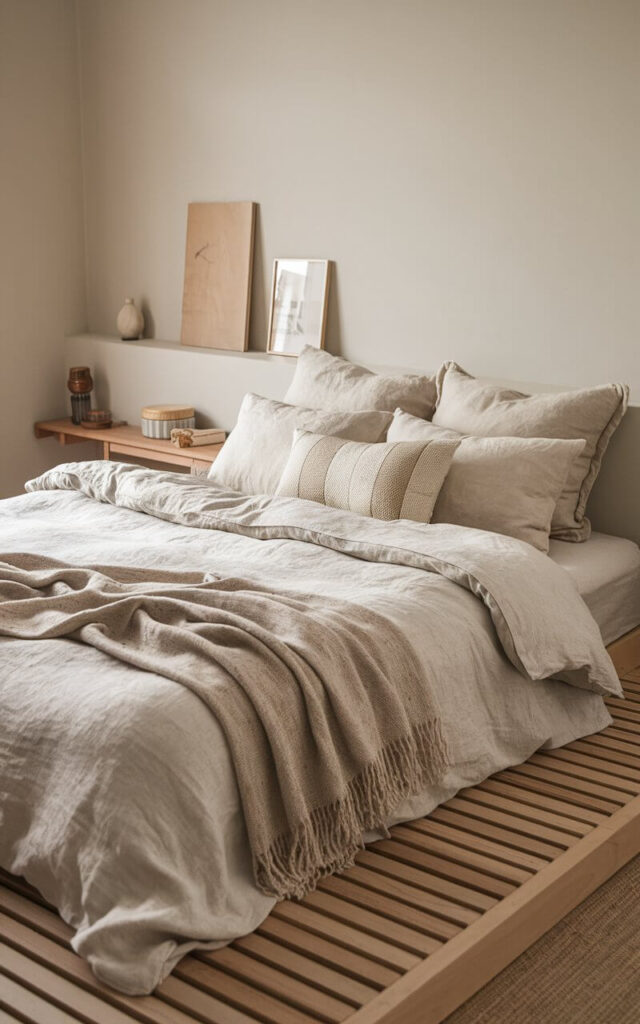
{"x":130,"y":321}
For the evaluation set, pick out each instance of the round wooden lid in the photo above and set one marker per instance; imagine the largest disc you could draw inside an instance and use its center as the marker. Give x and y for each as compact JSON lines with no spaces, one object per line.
{"x":167,"y":412}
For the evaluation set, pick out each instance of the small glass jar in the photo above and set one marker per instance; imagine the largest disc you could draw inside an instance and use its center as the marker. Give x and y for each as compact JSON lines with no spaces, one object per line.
{"x":80,"y":406}
{"x":80,"y":384}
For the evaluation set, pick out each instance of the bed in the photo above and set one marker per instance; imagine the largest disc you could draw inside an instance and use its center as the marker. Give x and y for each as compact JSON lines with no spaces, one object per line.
{"x":606,"y":571}
{"x":143,"y":761}
{"x":214,"y":693}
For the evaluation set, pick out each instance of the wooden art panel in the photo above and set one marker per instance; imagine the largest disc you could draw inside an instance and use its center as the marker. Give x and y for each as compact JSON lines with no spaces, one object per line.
{"x":217,"y":275}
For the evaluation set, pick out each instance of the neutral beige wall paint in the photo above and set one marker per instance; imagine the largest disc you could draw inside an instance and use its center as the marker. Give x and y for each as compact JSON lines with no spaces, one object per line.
{"x":41,"y":232}
{"x":472,"y":167}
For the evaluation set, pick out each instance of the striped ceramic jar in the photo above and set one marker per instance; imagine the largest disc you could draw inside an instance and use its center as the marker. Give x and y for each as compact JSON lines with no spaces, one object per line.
{"x":159,"y":420}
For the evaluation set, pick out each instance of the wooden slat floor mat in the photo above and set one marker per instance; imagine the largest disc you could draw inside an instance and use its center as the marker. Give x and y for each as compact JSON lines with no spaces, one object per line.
{"x":421,"y":921}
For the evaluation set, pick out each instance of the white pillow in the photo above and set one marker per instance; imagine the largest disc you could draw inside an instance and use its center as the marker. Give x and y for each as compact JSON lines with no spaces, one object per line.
{"x":323,"y":381}
{"x":383,"y":481}
{"x":256,"y":451}
{"x":506,"y":485}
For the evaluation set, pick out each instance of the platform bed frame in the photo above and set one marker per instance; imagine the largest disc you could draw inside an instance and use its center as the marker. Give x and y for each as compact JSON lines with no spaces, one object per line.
{"x":422,"y":921}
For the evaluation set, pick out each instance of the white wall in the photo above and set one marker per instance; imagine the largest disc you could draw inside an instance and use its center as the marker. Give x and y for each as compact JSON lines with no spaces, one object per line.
{"x":41,"y":231}
{"x":472,"y":167}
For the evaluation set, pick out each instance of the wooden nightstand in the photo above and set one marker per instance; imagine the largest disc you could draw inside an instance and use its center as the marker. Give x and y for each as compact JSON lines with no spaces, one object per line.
{"x":126,"y":440}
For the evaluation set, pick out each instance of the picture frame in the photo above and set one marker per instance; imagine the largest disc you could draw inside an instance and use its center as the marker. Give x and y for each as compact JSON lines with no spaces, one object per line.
{"x":298,"y":310}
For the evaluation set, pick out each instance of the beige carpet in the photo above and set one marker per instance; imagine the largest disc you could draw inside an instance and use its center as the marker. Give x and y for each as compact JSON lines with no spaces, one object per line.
{"x":586,"y":970}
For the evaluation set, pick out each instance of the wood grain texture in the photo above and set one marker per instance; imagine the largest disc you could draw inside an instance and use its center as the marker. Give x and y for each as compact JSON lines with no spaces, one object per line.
{"x":129,"y":440}
{"x":217,"y":275}
{"x":625,"y":654}
{"x":420,"y":923}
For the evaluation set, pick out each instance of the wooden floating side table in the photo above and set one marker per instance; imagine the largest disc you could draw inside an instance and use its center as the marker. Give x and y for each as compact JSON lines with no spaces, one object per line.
{"x":126,"y":440}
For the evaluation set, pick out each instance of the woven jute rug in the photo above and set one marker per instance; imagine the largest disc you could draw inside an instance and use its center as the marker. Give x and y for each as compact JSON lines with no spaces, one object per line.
{"x":586,"y":970}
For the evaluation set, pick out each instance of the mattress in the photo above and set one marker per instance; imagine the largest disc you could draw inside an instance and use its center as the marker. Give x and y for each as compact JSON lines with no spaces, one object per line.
{"x":606,"y":571}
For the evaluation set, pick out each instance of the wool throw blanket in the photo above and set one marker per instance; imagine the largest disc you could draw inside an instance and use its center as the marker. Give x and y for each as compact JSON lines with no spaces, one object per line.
{"x":327,"y":714}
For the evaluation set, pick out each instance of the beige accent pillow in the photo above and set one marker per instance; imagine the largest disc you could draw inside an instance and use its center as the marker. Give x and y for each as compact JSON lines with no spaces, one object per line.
{"x":383,"y":481}
{"x":256,"y":451}
{"x":323,"y":381}
{"x":488,"y":410}
{"x":506,"y":485}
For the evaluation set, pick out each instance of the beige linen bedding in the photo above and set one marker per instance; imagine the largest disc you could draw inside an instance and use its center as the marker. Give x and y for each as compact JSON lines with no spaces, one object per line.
{"x":256,"y":451}
{"x":606,"y":573}
{"x":386,"y":481}
{"x":324,"y":381}
{"x":119,"y":796}
{"x":470,"y":406}
{"x":322,"y":702}
{"x":505,"y":484}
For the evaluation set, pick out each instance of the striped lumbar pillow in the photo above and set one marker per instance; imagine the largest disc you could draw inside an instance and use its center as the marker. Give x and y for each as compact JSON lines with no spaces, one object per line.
{"x":385,"y":481}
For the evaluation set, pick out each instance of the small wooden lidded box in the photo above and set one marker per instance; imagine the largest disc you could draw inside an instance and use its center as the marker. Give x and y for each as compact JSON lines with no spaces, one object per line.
{"x":160,"y":420}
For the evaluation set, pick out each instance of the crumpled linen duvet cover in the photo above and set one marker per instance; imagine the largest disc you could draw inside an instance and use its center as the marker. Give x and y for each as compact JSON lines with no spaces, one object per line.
{"x":118,"y":797}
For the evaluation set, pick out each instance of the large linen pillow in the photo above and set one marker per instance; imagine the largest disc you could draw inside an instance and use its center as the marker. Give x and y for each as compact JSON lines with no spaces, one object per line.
{"x":467,"y":405}
{"x":323,"y":381}
{"x":506,"y":485}
{"x":383,"y":481}
{"x":257,"y":449}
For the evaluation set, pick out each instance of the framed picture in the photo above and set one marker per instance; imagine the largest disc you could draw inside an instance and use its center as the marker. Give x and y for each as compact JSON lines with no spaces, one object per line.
{"x":298,"y":305}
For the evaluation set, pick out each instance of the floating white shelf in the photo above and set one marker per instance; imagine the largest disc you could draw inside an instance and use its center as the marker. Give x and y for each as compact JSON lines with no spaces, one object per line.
{"x":174,"y":346}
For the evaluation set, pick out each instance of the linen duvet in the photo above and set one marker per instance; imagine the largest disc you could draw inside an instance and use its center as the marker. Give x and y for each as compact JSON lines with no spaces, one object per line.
{"x":125,"y":792}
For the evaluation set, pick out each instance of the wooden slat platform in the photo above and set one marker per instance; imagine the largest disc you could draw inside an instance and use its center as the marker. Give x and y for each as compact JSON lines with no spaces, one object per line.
{"x":421,"y":922}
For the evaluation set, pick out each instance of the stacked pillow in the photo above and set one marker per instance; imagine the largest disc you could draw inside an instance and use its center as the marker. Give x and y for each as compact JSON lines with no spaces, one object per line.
{"x":507,"y":485}
{"x":384,"y":481}
{"x":458,"y":451}
{"x":327,"y":395}
{"x":323,"y":381}
{"x":256,"y":451}
{"x":592,"y":414}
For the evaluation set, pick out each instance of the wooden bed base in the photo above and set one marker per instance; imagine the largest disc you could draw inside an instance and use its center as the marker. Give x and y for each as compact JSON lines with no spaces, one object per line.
{"x":423,"y":920}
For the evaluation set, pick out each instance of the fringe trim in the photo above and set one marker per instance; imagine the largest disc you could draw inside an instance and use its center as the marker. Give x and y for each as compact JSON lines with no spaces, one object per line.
{"x":330,"y":837}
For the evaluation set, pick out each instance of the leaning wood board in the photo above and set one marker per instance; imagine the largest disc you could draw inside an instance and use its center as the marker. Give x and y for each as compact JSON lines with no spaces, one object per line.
{"x":421,"y":922}
{"x":217,"y":275}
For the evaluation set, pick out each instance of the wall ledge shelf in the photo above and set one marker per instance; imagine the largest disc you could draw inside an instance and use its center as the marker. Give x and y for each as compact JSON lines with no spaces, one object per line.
{"x":173,"y":346}
{"x":131,"y":374}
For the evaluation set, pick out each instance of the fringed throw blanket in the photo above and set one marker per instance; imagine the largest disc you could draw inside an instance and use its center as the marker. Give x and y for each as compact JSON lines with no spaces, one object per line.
{"x":328,"y":718}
